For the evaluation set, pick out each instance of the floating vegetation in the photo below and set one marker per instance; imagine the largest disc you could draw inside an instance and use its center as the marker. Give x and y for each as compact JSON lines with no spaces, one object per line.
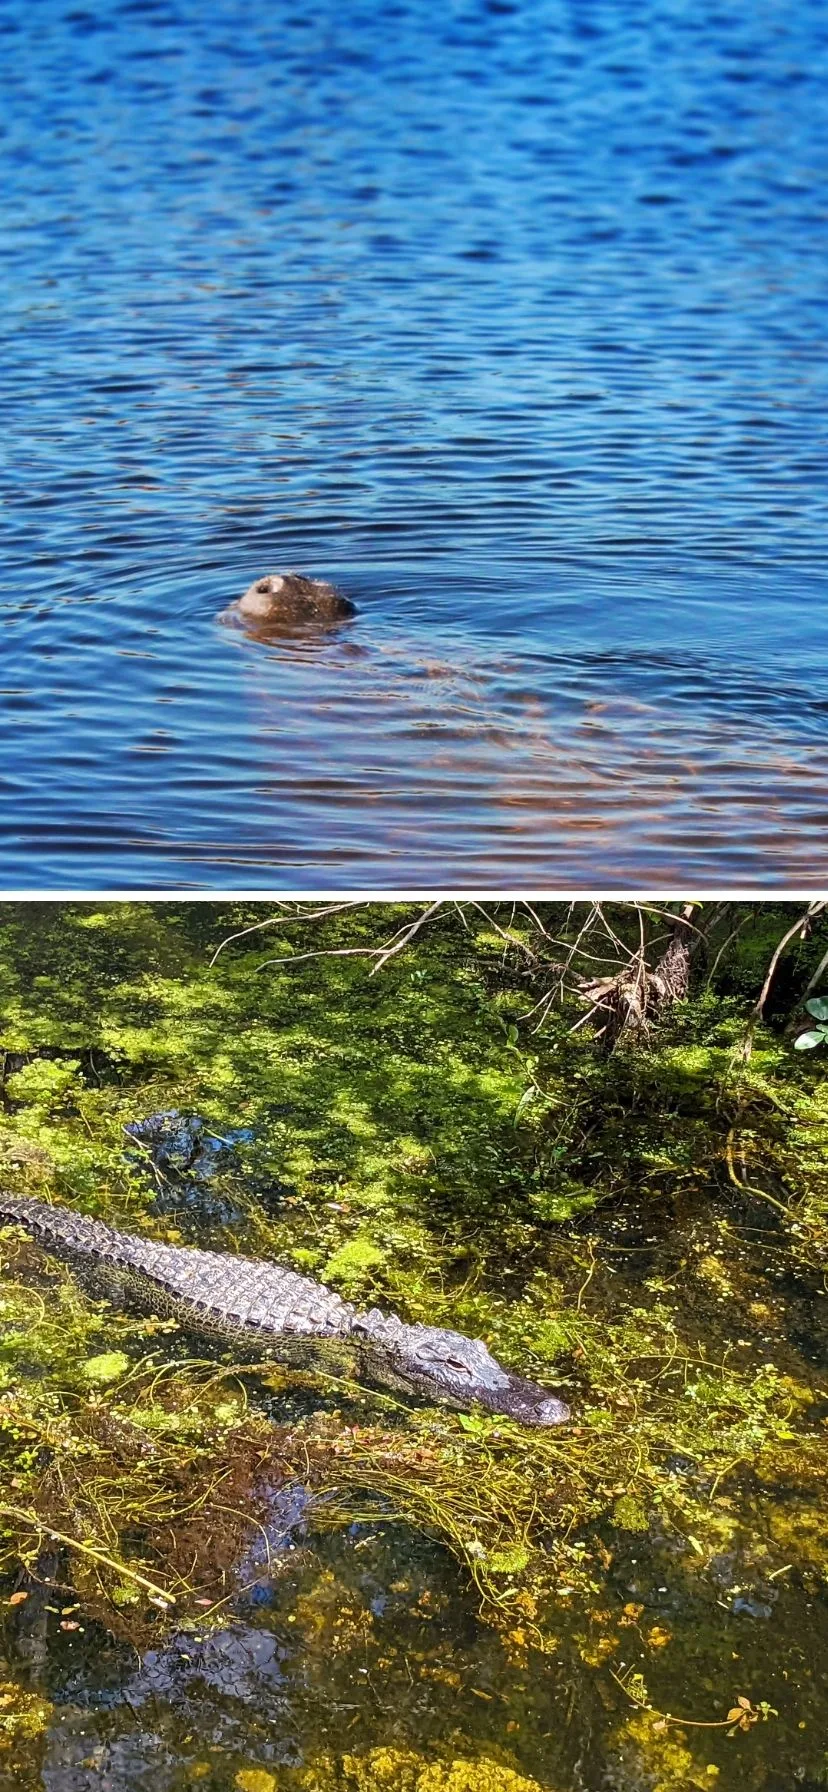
{"x":400,"y":1770}
{"x":642,"y":1228}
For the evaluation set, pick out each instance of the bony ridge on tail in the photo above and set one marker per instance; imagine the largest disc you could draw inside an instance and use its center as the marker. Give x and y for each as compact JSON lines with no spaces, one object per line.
{"x":285,"y":1316}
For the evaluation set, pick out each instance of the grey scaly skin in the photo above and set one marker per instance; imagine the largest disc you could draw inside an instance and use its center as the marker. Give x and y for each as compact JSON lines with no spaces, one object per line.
{"x":275,"y":1313}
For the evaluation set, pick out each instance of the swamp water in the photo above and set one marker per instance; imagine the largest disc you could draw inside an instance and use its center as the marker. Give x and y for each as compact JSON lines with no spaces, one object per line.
{"x":456,"y":1605}
{"x":356,"y":1656}
{"x":510,"y":320}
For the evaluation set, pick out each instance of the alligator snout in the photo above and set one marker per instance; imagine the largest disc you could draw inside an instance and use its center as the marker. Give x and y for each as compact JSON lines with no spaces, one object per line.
{"x":452,"y":1367}
{"x":534,"y":1405}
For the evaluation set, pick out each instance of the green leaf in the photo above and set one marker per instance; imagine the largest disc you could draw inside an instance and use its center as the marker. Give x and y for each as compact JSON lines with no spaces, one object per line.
{"x":527,"y":1096}
{"x":818,"y":1007}
{"x":806,"y":1041}
{"x":476,"y":1426}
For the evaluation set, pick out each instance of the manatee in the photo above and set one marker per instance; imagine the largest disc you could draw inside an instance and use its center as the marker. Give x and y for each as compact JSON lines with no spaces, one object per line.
{"x":287,"y":603}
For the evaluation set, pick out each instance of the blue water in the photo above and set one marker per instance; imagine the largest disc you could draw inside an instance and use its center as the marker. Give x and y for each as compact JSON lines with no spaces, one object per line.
{"x":506,"y":315}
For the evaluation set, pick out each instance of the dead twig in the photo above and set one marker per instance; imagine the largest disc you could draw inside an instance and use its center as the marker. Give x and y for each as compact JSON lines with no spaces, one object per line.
{"x":800,"y":926}
{"x":333,"y":908}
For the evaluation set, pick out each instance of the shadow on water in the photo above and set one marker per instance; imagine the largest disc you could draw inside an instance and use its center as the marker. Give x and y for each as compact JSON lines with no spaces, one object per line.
{"x":356,"y":1642}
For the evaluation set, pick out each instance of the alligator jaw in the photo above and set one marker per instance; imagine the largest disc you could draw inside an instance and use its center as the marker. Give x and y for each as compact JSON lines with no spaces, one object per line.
{"x":529,"y":1404}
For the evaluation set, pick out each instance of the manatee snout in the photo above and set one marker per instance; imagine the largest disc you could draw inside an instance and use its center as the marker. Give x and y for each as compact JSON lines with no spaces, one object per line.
{"x":289,"y":603}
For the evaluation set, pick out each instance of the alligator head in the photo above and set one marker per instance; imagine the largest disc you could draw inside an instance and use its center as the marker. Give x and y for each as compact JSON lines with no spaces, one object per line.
{"x":460,"y":1371}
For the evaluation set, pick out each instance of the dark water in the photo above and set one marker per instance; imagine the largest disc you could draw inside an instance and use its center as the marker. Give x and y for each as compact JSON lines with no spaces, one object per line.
{"x":343,"y":1650}
{"x":347,"y":1650}
{"x":510,"y":318}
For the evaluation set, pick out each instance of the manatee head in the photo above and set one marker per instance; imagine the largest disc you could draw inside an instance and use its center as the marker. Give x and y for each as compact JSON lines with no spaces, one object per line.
{"x":288,"y":601}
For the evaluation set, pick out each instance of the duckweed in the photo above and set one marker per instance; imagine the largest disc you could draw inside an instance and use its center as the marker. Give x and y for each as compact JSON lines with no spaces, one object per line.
{"x":411,"y":1139}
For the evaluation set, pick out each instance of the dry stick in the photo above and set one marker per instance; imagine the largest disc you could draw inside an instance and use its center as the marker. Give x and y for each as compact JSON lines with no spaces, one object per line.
{"x":611,"y":933}
{"x":536,"y":918}
{"x":818,"y":973}
{"x":722,"y":949}
{"x":334,"y":908}
{"x":549,"y":995}
{"x":573,"y":949}
{"x":545,"y":1004}
{"x":504,"y":934}
{"x":585,"y":1017}
{"x":813,"y":909}
{"x":332,"y":952}
{"x":403,"y":928}
{"x":666,"y":915}
{"x":640,"y":967}
{"x":397,"y":943}
{"x":391,"y":950}
{"x":86,"y":1549}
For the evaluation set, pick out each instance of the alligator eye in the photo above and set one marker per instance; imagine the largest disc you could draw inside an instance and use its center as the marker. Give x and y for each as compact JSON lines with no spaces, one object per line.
{"x":452,"y":1363}
{"x":459,"y":1368}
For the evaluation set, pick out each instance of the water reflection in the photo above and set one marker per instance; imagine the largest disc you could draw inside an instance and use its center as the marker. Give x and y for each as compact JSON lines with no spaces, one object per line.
{"x":415,"y":755}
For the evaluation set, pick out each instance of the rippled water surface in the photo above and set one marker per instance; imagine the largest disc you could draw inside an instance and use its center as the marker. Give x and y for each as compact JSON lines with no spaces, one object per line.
{"x":509,"y":318}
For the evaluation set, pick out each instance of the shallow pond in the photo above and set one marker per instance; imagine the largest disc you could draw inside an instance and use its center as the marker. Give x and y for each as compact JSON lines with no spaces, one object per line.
{"x":361,"y":1660}
{"x":510,"y":320}
{"x":357,"y":1656}
{"x":459,"y":1604}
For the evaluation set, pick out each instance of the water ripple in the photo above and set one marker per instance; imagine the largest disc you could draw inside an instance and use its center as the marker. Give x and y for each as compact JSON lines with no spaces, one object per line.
{"x":508,"y":319}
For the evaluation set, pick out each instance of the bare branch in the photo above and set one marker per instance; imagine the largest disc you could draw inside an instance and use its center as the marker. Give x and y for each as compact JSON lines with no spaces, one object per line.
{"x":817,"y":976}
{"x":813,"y":909}
{"x":722,"y":949}
{"x":392,"y":949}
{"x":381,"y":954}
{"x":334,"y":908}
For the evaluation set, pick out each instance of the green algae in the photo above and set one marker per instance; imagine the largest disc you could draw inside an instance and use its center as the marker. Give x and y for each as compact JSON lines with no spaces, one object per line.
{"x":414,"y":1143}
{"x":352,"y":1266}
{"x":23,"y":1718}
{"x":108,"y":1366}
{"x":398,"y":1770}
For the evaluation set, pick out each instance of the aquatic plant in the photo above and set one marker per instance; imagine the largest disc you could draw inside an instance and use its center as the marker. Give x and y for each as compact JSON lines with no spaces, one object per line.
{"x":643,"y":1226}
{"x":806,"y":1042}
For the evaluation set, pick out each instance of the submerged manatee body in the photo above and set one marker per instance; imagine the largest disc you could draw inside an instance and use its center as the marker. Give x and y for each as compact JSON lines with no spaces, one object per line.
{"x":288,"y":603}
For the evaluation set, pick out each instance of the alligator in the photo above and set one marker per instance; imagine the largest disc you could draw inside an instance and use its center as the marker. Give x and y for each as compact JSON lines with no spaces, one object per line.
{"x":275,"y":1313}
